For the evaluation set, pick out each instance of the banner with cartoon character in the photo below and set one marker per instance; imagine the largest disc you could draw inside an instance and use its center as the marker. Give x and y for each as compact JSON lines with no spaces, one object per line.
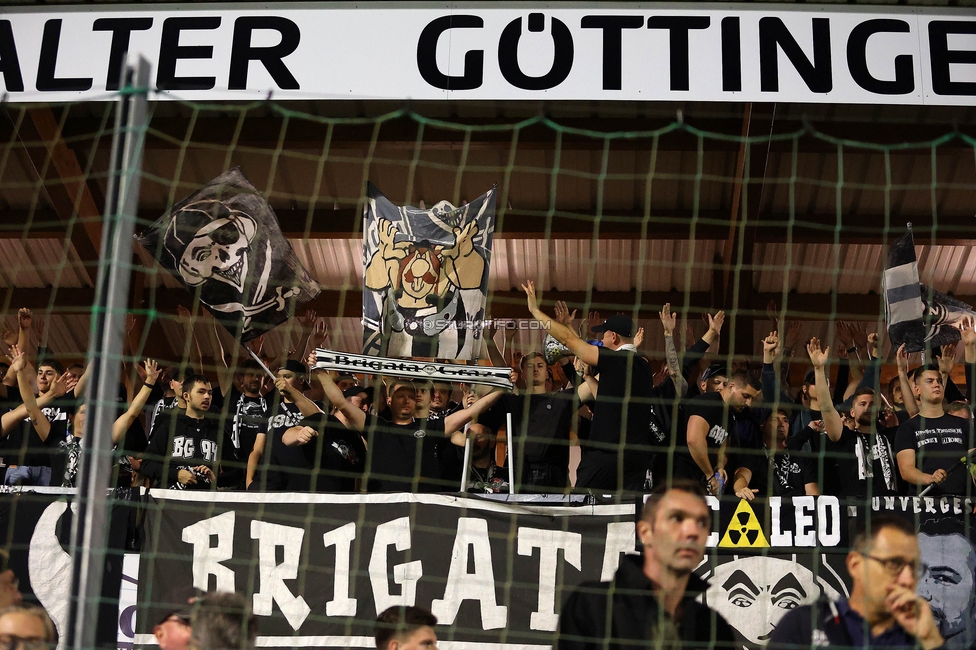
{"x":425,"y":277}
{"x":224,"y":244}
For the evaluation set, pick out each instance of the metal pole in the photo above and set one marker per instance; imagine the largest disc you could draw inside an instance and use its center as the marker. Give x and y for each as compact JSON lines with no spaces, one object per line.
{"x":467,"y":459}
{"x":509,"y":446}
{"x":90,"y":527}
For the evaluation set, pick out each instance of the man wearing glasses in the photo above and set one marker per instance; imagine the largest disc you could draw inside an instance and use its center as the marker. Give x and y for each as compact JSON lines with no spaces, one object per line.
{"x":883,"y":610}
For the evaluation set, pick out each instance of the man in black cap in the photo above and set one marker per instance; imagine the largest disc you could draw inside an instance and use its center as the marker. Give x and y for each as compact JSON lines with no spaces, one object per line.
{"x":714,"y":378}
{"x":285,"y":413}
{"x":619,"y":455}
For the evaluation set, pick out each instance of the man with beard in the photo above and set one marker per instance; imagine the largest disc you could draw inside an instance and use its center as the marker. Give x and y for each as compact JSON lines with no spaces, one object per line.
{"x":773,"y":471}
{"x":708,"y":421}
{"x":244,"y":411}
{"x":651,"y":601}
{"x":404,"y":451}
{"x":483,"y":474}
{"x":185,"y":454}
{"x":948,"y":583}
{"x":865,"y":456}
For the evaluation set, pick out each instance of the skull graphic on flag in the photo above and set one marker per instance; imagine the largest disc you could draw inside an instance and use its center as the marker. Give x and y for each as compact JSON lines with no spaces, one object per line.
{"x":224,"y":243}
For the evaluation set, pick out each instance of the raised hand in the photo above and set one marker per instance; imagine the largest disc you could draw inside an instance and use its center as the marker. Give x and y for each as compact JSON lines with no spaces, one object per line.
{"x":770,"y":347}
{"x":913,"y":613}
{"x":130,"y":323}
{"x":320,"y":334}
{"x":8,"y":335}
{"x":308,"y":320}
{"x":64,"y":384}
{"x":873,"y":344}
{"x":530,"y":298}
{"x":948,"y":359}
{"x":901,"y":359}
{"x":715,"y":322}
{"x":152,"y":371}
{"x":593,"y":319}
{"x":845,"y":339}
{"x":818,"y":356}
{"x":793,"y":332}
{"x":18,"y":359}
{"x":639,"y":337}
{"x":562,"y":314}
{"x":859,"y":335}
{"x":24,"y":318}
{"x":668,"y":319}
{"x":967,"y":328}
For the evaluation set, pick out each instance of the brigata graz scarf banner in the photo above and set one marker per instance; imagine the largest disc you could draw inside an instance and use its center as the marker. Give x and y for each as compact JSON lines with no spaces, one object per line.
{"x":425,"y":277}
{"x":223,"y":242}
{"x":318,"y":568}
{"x":361,"y":363}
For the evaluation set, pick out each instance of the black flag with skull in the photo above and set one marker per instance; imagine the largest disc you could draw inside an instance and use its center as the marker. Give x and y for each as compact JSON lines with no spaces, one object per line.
{"x":224,"y":244}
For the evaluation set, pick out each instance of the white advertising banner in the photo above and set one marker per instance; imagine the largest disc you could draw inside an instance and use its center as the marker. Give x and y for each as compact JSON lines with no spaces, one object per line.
{"x":495,"y":51}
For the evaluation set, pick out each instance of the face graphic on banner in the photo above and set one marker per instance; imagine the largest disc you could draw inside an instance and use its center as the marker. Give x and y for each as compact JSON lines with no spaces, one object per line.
{"x":420,"y":274}
{"x":754,"y":593}
{"x":948,"y":585}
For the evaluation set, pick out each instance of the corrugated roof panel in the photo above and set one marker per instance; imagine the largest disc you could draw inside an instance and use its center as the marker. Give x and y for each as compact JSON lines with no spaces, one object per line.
{"x":41,"y":262}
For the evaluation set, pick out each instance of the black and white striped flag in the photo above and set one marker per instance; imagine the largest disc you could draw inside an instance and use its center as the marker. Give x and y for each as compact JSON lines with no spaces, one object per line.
{"x":917,"y":315}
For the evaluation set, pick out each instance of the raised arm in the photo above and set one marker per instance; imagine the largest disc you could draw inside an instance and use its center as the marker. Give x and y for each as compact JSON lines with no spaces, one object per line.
{"x":41,"y":424}
{"x":83,"y":381}
{"x":305,"y":405}
{"x":565,"y":335}
{"x":833,"y":422}
{"x":456,"y":420}
{"x":968,"y":331}
{"x":29,"y":408}
{"x":670,"y":320}
{"x":770,"y":382}
{"x":24,"y":319}
{"x":901,"y":359}
{"x":353,"y":414}
{"x":124,"y":421}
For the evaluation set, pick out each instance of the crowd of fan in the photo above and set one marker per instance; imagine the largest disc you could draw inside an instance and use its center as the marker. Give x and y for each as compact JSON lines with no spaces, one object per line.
{"x":737,"y":429}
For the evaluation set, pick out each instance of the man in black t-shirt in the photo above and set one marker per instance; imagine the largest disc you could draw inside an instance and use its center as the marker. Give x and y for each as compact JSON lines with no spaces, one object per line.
{"x":25,"y":446}
{"x":932,"y":442}
{"x":619,"y":455}
{"x":708,"y":422}
{"x":289,"y":406}
{"x":244,"y":411}
{"x":322,"y":455}
{"x":773,"y":470}
{"x":542,"y":422}
{"x":188,"y":449}
{"x":865,"y":456}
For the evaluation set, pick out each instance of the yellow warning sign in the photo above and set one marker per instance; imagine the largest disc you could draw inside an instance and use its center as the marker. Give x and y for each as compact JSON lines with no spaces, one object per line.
{"x":744,"y":531}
